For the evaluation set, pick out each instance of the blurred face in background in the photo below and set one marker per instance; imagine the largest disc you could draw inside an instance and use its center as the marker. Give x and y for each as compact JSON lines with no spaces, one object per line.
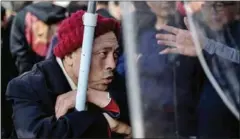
{"x":217,"y":14}
{"x":162,"y":9}
{"x":115,"y":10}
{"x":195,"y":6}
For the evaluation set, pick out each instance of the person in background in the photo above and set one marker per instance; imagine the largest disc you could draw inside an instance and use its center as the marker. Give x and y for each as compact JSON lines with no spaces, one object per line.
{"x":102,"y":9}
{"x":170,"y":93}
{"x":31,"y":32}
{"x":71,"y":8}
{"x":144,"y":18}
{"x":44,"y":98}
{"x":75,"y":6}
{"x":115,"y":10}
{"x":220,"y":44}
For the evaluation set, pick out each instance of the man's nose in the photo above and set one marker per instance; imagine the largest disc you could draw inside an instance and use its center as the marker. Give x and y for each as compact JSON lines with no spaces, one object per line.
{"x":110,"y":63}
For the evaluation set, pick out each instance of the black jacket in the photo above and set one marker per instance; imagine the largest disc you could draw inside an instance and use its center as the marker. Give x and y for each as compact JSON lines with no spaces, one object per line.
{"x":33,"y":96}
{"x":212,"y":110}
{"x":21,"y":47}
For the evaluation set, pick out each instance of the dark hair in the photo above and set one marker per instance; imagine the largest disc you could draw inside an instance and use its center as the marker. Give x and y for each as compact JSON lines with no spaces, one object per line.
{"x":141,"y":6}
{"x":103,"y":2}
{"x":74,"y":6}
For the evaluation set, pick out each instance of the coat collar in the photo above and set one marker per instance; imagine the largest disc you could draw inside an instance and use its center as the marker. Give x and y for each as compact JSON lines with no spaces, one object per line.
{"x":70,"y":81}
{"x":55,"y":78}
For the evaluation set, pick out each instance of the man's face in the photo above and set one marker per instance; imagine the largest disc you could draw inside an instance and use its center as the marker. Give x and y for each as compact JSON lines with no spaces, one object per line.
{"x":162,"y":8}
{"x":217,"y":14}
{"x":103,"y":61}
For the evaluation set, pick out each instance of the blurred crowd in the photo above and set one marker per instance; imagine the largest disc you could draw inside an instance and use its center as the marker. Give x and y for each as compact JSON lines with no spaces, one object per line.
{"x":178,"y":98}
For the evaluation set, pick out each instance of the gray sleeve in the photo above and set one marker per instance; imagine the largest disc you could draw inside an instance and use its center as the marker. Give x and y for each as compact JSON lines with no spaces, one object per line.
{"x":221,"y":50}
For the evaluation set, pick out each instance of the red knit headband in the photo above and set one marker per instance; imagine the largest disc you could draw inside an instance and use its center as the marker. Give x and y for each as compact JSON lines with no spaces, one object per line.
{"x":70,"y":32}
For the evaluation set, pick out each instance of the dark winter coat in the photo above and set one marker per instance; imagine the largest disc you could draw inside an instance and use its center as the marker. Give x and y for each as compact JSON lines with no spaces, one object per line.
{"x":33,"y":96}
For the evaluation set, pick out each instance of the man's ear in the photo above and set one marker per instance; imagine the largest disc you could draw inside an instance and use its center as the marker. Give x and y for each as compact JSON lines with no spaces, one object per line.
{"x":68,"y":59}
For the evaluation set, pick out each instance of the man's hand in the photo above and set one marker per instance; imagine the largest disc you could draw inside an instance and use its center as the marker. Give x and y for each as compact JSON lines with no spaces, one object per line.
{"x":180,"y":41}
{"x":117,"y":126}
{"x":64,"y":103}
{"x":99,"y":98}
{"x":68,"y":100}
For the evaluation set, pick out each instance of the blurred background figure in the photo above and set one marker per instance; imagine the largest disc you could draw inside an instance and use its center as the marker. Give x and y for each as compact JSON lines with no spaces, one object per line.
{"x":217,"y":14}
{"x":102,"y":9}
{"x":114,"y":9}
{"x":218,"y":30}
{"x":74,"y":6}
{"x":32,"y":29}
{"x":215,"y":119}
{"x":169,"y":92}
{"x":143,"y":15}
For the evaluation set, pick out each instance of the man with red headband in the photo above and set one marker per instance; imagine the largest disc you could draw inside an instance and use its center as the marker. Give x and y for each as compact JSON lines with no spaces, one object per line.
{"x":43,"y":99}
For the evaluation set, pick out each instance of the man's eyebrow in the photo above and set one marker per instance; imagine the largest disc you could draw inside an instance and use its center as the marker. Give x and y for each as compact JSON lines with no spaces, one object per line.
{"x":108,"y":48}
{"x":103,"y":49}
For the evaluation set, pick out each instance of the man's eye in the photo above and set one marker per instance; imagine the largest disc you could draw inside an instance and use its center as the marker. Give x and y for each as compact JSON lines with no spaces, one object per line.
{"x":115,"y":55}
{"x":103,"y":54}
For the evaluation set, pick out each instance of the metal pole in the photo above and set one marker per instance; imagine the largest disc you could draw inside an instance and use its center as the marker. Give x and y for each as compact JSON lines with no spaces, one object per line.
{"x":89,"y":21}
{"x":134,"y":98}
{"x":91,"y":7}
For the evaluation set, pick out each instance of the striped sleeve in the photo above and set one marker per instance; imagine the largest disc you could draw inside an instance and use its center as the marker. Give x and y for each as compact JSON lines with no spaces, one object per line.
{"x":221,"y":50}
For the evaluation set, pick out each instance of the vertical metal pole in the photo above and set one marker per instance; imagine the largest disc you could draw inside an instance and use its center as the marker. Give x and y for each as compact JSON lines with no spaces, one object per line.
{"x":91,"y":7}
{"x":134,"y":98}
{"x":89,"y":21}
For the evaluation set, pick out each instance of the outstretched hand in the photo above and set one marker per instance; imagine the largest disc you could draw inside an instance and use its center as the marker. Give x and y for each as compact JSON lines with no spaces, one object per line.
{"x":180,"y":40}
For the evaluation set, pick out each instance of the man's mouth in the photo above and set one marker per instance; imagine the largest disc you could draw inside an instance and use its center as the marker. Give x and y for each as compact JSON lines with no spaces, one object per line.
{"x":108,"y":80}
